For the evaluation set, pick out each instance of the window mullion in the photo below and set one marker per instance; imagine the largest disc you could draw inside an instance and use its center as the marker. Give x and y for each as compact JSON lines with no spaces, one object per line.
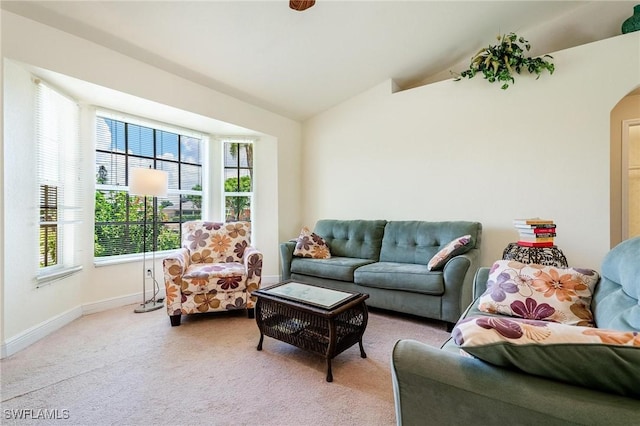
{"x":161,"y":149}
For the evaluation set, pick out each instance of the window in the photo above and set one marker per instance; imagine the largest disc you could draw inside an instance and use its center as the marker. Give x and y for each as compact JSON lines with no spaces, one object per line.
{"x":59,"y":187}
{"x":238,"y":180}
{"x":123,"y":143}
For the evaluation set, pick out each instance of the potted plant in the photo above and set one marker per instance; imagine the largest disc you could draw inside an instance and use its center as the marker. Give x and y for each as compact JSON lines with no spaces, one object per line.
{"x":501,"y":61}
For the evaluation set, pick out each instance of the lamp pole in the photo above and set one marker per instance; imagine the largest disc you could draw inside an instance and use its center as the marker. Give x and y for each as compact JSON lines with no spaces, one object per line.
{"x":148,"y":182}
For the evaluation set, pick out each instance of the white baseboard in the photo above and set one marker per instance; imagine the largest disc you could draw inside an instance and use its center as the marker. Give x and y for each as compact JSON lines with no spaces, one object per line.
{"x":37,"y":332}
{"x":116,"y":302}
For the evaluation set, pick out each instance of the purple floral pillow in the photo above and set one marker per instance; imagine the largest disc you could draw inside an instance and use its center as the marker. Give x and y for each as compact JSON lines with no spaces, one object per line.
{"x":447,"y":252}
{"x":538,"y":292}
{"x":310,"y":244}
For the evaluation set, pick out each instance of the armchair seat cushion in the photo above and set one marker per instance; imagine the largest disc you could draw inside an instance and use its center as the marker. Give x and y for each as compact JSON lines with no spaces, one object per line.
{"x":409,"y":277}
{"x":205,"y":277}
{"x":334,"y":268}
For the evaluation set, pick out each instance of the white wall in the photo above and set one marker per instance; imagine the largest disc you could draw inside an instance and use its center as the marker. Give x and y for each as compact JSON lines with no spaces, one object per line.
{"x":469,"y":151}
{"x":26,"y":309}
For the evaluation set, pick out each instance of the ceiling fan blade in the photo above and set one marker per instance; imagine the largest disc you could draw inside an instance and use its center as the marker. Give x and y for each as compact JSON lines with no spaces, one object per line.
{"x":301,"y":5}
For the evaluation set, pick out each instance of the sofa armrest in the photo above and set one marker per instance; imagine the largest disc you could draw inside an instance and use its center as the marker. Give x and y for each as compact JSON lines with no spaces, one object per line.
{"x":286,"y":256}
{"x":447,"y":388}
{"x":480,"y":281}
{"x":458,"y":275}
{"x":174,"y":267}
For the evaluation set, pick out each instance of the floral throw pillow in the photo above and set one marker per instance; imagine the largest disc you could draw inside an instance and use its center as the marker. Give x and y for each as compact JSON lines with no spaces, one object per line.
{"x":558,"y":351}
{"x":540,"y":292}
{"x":311,"y":245}
{"x":447,"y":252}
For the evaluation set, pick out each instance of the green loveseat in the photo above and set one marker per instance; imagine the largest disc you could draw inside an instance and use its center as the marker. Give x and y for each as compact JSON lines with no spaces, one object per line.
{"x":388,"y":261}
{"x":442,"y":387}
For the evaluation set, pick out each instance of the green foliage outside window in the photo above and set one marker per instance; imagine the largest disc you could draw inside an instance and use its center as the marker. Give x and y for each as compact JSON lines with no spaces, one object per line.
{"x":119,"y":230}
{"x":237,"y":207}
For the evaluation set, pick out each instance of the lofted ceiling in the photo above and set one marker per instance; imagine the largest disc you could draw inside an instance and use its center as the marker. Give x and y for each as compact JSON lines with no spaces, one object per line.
{"x":298,"y":64}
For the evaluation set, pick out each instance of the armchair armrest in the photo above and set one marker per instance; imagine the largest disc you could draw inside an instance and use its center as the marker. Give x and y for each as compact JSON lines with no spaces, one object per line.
{"x":286,"y":256}
{"x":174,"y":267}
{"x":253,"y":265}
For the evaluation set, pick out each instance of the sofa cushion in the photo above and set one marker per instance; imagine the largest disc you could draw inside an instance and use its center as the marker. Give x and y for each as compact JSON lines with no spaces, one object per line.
{"x":400,"y":276}
{"x":335,"y":268}
{"x":606,"y":360}
{"x":359,"y":239}
{"x":540,"y":292}
{"x":418,"y":241}
{"x":617,"y":297}
{"x":310,"y":244}
{"x":453,"y":248}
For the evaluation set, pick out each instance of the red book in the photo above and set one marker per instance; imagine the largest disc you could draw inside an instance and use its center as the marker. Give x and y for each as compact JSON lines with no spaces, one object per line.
{"x":539,"y":231}
{"x":532,"y":244}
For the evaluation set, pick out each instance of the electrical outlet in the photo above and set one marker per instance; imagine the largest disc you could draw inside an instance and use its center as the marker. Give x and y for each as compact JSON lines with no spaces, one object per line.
{"x":149,"y":272}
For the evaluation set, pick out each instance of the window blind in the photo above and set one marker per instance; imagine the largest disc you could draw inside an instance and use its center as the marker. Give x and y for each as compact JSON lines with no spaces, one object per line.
{"x":59,"y":178}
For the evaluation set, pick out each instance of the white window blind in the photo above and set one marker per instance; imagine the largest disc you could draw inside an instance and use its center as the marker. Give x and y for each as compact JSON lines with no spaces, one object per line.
{"x":59,"y":190}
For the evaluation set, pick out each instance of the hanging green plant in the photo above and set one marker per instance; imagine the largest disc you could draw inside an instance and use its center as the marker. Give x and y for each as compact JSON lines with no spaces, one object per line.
{"x":501,"y":61}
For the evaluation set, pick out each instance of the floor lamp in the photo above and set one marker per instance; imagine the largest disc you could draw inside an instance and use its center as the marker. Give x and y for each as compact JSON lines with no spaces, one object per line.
{"x":149,"y":183}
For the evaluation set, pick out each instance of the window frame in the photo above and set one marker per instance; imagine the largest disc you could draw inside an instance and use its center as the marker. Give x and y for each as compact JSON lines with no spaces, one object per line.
{"x":238,"y":168}
{"x":155,"y":159}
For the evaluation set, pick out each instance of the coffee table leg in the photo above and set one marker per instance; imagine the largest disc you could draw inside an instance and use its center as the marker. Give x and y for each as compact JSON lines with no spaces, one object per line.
{"x":329,"y":373}
{"x":260,"y":342}
{"x":362,"y":354}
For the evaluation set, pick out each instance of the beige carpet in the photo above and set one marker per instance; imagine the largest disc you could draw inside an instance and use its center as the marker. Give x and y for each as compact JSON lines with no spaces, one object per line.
{"x":117,"y":367}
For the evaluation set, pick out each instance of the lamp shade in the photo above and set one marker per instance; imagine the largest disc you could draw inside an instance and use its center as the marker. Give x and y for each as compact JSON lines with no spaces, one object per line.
{"x":148,"y":182}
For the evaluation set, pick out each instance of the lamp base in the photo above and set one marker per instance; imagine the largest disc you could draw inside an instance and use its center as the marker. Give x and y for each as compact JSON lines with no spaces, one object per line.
{"x":151,"y":305}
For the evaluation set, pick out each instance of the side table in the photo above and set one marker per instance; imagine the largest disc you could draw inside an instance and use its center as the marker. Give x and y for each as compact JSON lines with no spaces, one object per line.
{"x":549,"y":256}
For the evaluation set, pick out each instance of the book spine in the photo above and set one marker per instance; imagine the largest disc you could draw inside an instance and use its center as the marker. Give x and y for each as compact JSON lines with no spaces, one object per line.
{"x":537,"y":234}
{"x":540,"y":226}
{"x":531,"y":244}
{"x":536,"y":240}
{"x":533,"y":222}
{"x":544,"y":230}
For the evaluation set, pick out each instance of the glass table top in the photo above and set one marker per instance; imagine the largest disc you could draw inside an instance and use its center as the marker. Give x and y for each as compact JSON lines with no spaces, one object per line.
{"x":319,"y":296}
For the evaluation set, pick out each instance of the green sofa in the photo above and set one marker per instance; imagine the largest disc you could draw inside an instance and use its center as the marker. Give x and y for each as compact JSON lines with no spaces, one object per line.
{"x":388,"y":261}
{"x":440,"y":386}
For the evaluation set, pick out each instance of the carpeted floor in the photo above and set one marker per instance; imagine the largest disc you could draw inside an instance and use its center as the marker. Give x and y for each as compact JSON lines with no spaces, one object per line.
{"x":117,"y":367}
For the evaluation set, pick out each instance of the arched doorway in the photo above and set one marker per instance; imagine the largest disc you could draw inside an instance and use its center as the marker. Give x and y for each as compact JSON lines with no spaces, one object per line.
{"x":625,"y":168}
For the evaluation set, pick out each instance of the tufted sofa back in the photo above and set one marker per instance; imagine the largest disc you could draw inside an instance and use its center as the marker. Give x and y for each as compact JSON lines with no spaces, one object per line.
{"x":216,"y":242}
{"x":360,"y":239}
{"x":615,"y":301}
{"x":418,"y":241}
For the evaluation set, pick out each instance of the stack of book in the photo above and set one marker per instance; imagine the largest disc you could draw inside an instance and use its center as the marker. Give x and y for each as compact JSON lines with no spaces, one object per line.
{"x":535,"y":232}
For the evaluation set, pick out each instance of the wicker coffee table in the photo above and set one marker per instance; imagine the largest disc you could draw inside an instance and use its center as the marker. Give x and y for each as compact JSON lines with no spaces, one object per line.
{"x":316,"y":319}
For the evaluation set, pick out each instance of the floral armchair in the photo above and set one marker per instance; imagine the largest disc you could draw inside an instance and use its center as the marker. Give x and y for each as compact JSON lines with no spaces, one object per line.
{"x":215,"y":270}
